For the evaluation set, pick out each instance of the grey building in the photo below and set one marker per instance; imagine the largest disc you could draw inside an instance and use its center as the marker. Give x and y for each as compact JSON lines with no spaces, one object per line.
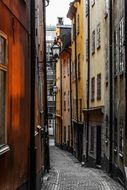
{"x":115,"y":88}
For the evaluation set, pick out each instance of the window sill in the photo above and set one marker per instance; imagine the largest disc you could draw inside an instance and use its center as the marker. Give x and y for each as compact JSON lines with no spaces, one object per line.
{"x":4,"y":148}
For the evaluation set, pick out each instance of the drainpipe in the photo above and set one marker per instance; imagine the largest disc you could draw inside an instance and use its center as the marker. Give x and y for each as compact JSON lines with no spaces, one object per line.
{"x":46,"y":136}
{"x":32,"y":100}
{"x":61,"y":101}
{"x":125,"y":33}
{"x":88,"y":84}
{"x":76,"y":76}
{"x":71,"y":104}
{"x":110,"y":86}
{"x":125,"y":21}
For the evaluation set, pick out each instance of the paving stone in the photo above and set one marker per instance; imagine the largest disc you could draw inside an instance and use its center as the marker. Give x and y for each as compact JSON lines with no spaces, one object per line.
{"x":67,"y":174}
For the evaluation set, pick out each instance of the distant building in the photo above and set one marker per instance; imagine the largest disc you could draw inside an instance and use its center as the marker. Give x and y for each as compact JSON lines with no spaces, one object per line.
{"x":63,"y":83}
{"x":51,"y":78}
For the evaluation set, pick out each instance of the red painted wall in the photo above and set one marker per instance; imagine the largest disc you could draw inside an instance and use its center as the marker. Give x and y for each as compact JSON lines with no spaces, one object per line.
{"x":14,"y":164}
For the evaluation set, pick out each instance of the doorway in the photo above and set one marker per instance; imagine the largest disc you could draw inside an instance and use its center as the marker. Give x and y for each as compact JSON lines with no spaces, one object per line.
{"x":98,"y":145}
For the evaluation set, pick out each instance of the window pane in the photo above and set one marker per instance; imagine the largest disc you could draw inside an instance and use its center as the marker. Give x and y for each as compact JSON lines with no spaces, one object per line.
{"x":2,"y":50}
{"x":2,"y":107}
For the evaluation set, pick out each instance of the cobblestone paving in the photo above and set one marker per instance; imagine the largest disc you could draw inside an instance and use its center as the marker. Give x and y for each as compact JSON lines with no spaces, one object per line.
{"x":67,"y":174}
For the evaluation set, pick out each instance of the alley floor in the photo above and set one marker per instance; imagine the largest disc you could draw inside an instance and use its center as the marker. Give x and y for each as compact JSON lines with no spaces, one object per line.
{"x":67,"y":174}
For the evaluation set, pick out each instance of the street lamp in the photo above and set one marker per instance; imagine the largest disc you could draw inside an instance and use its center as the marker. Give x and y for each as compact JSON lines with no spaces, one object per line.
{"x":55,"y":49}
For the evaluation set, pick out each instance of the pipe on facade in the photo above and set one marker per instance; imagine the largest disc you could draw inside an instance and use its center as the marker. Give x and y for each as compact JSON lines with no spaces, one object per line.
{"x":88,"y":84}
{"x":110,"y":86}
{"x":125,"y":41}
{"x":76,"y":77}
{"x":125,"y":32}
{"x":61,"y":101}
{"x":32,"y":100}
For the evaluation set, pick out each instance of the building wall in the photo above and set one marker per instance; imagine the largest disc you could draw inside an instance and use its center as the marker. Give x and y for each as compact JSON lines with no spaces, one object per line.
{"x":15,"y":163}
{"x":40,"y":94}
{"x":51,"y":78}
{"x":98,"y":26}
{"x":66,"y":126}
{"x":58,"y":104}
{"x":80,"y":51}
{"x":75,"y":13}
{"x":118,"y":91}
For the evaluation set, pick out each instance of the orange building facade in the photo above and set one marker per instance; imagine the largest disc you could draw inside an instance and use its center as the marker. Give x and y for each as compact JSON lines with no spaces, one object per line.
{"x":15,"y":99}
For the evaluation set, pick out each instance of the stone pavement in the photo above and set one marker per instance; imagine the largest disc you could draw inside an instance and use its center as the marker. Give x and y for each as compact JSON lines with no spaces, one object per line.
{"x":67,"y":174}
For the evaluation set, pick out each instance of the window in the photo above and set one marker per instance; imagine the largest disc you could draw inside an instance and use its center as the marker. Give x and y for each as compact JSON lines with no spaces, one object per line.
{"x":98,"y":86}
{"x":121,"y":46}
{"x":64,"y":134}
{"x":68,"y":66}
{"x":106,"y":8}
{"x":92,"y":88}
{"x":78,"y":66}
{"x":78,"y":24}
{"x":86,"y":7}
{"x":92,"y":139}
{"x":93,"y":2}
{"x":93,"y":42}
{"x":73,"y":32}
{"x":69,"y":134}
{"x":115,"y":52}
{"x":115,"y":133}
{"x":106,"y":63}
{"x":98,"y":36}
{"x":64,"y":101}
{"x":3,"y":73}
{"x":73,"y":71}
{"x":121,"y":135}
{"x":80,"y":102}
{"x":68,"y":100}
{"x":64,"y":68}
{"x":106,"y":130}
{"x":86,"y":49}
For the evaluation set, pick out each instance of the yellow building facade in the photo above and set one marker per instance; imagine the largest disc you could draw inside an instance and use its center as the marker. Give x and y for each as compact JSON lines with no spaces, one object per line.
{"x":96,"y":24}
{"x":75,"y":13}
{"x":63,"y":83}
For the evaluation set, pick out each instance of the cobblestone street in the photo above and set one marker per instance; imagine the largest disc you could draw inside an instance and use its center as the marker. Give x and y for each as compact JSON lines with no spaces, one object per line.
{"x":67,"y":174}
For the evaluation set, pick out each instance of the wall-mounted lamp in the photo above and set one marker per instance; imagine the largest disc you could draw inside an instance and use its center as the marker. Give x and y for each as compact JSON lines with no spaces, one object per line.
{"x":55,"y":50}
{"x":47,"y":3}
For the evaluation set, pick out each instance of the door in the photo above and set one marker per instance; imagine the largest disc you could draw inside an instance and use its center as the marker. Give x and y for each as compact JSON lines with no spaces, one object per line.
{"x":98,"y":145}
{"x":80,"y":142}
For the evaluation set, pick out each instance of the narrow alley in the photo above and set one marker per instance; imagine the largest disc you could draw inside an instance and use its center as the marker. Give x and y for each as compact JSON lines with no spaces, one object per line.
{"x":67,"y":174}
